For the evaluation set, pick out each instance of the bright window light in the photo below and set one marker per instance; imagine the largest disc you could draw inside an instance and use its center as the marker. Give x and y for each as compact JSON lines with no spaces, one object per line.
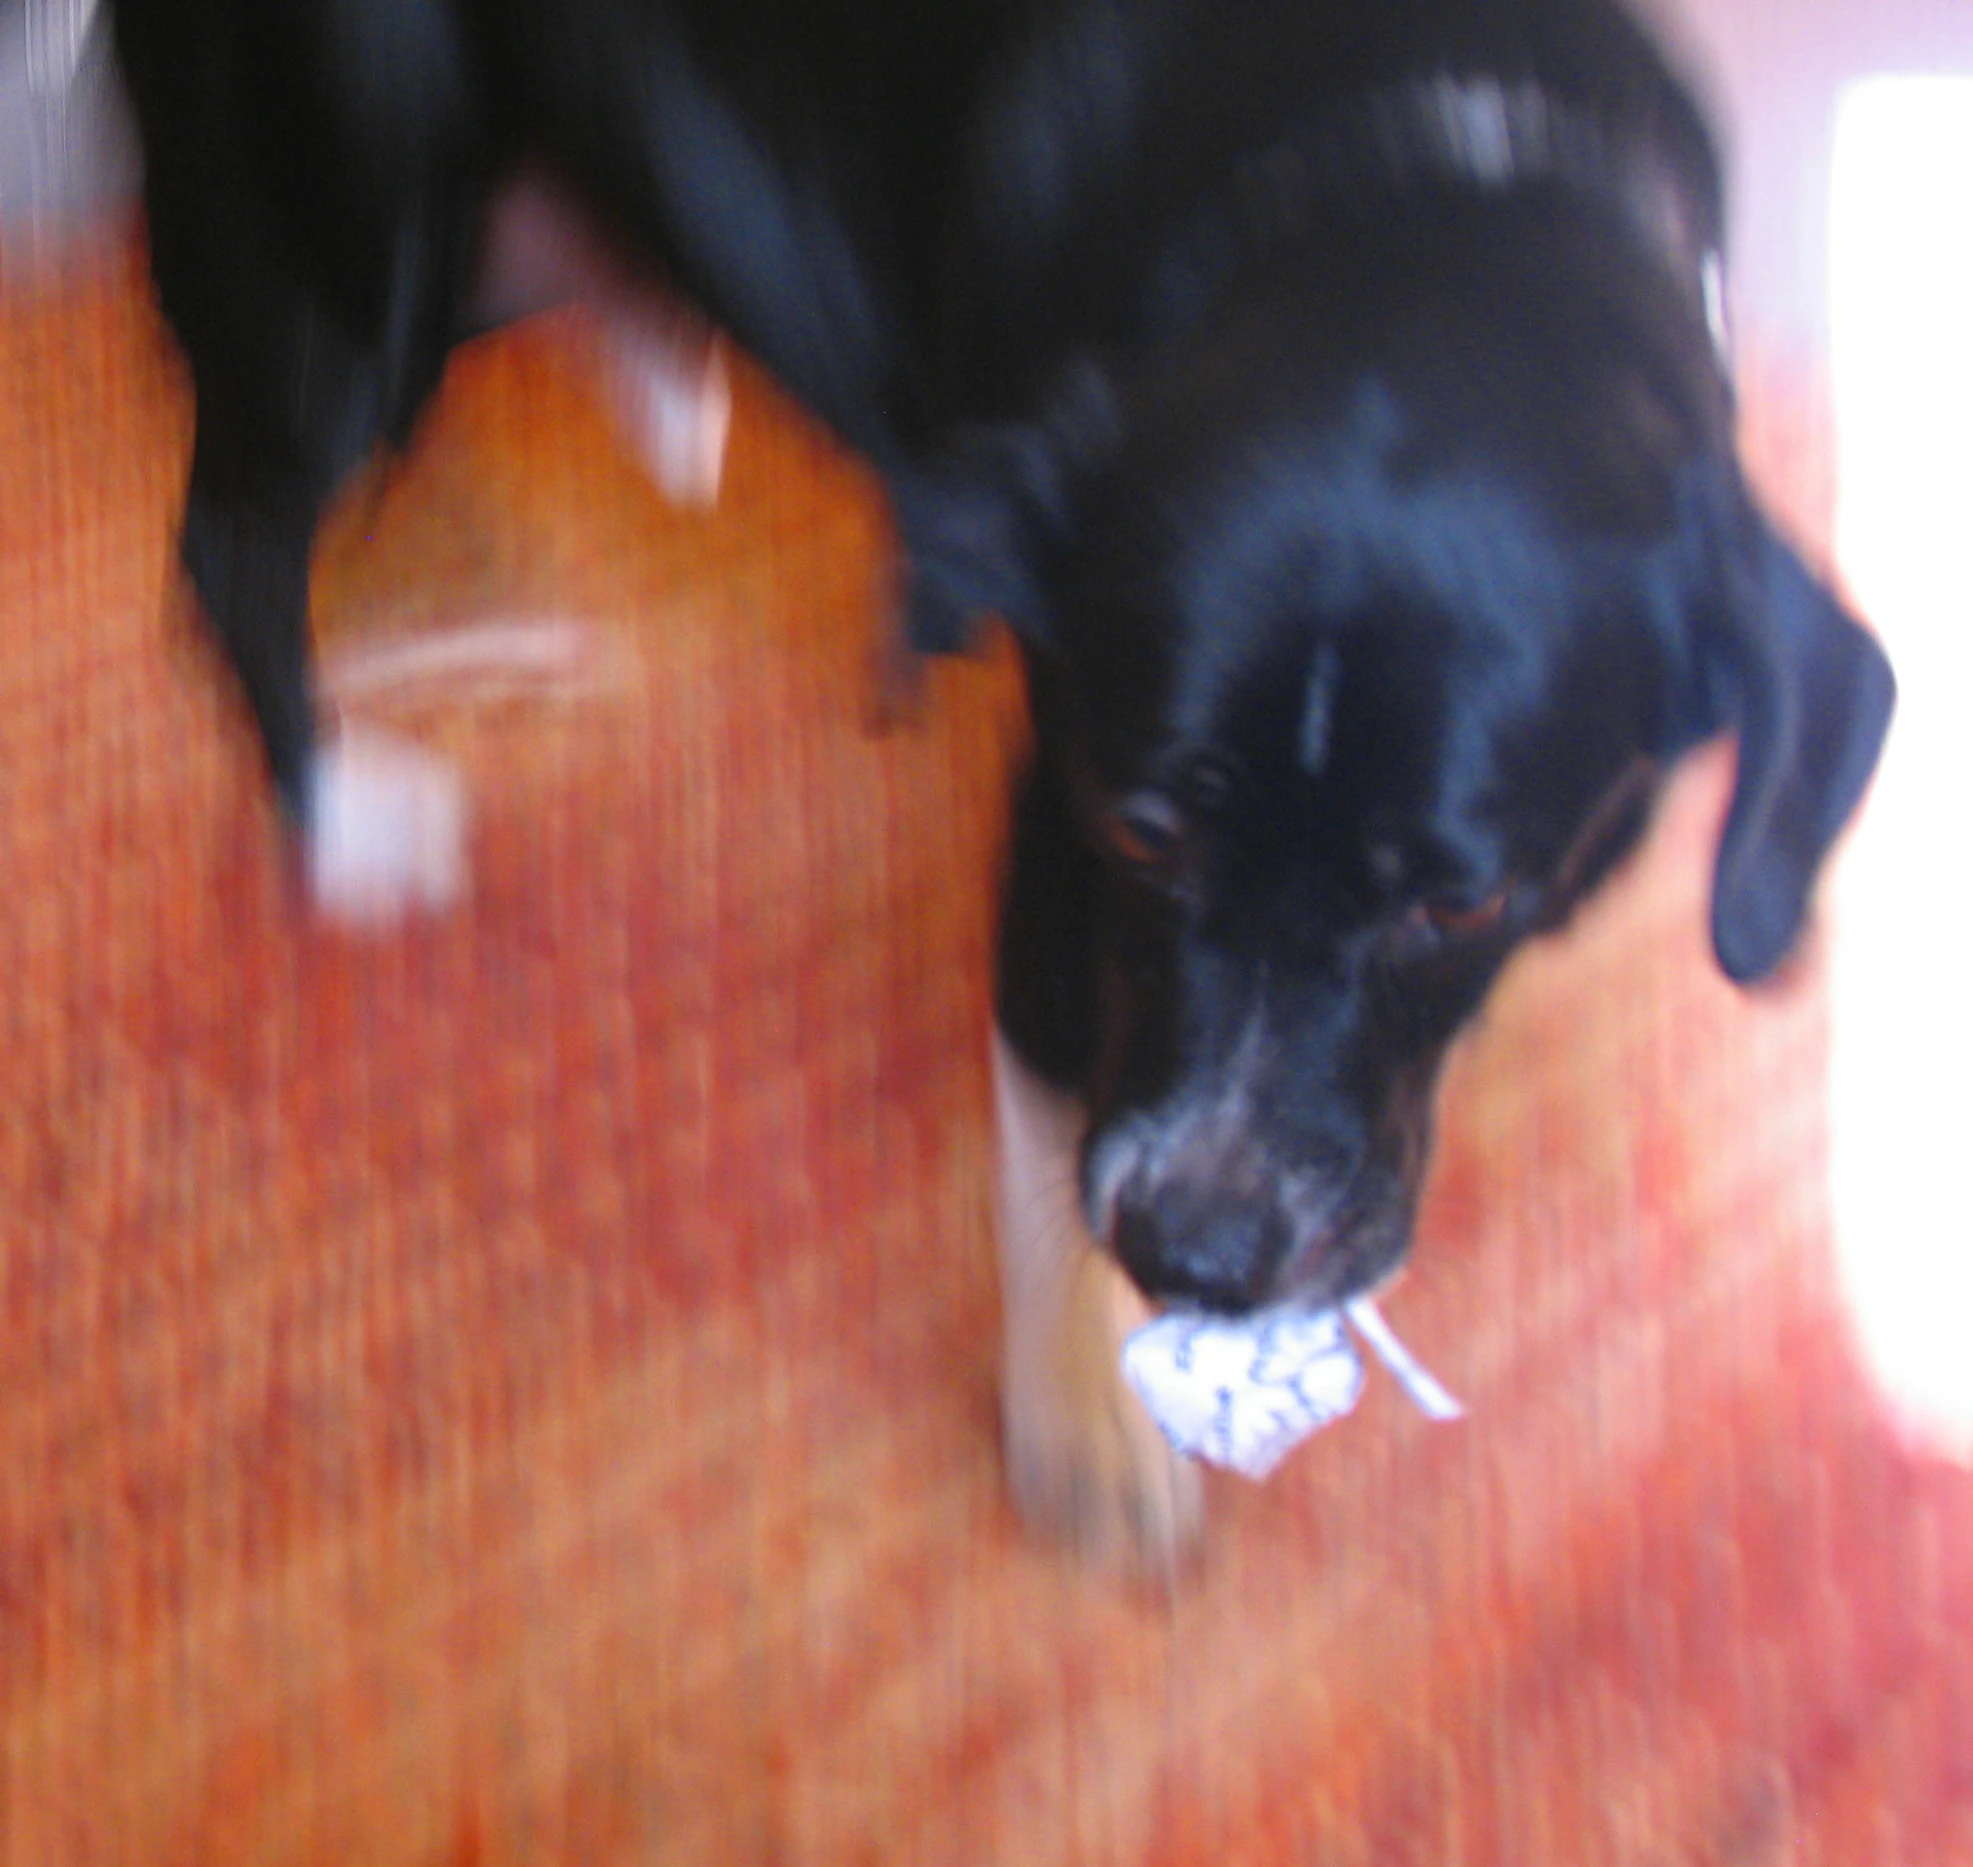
{"x":1901,"y":249}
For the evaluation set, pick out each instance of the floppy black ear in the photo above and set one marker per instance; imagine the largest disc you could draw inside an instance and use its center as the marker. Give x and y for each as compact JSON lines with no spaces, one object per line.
{"x":983,"y":524}
{"x":1810,"y":693}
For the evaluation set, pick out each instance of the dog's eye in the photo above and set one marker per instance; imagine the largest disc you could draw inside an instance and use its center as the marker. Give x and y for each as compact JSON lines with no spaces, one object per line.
{"x":1466,"y":920}
{"x":1435,"y":925}
{"x":1148,"y":831}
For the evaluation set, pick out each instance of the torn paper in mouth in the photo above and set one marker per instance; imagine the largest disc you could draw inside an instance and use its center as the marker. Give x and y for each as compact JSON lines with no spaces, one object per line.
{"x":1243,"y":1393}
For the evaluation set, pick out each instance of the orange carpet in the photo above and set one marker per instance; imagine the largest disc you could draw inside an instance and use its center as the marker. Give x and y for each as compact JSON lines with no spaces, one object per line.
{"x":521,"y":1390}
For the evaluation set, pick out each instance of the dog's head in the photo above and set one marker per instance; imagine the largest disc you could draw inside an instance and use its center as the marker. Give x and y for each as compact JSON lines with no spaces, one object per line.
{"x":1361,"y":635}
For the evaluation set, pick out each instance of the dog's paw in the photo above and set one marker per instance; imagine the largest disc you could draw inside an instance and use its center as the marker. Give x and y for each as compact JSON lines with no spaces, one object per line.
{"x":1088,"y":1466}
{"x":386,"y":830}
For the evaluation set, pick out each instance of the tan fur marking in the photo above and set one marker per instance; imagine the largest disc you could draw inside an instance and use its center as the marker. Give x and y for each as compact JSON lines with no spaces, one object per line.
{"x":1087,"y":1465}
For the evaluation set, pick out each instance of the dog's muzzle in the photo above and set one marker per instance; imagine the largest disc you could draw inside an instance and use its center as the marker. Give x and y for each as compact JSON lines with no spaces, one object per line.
{"x":1219,"y":1222}
{"x":1187,"y":1244}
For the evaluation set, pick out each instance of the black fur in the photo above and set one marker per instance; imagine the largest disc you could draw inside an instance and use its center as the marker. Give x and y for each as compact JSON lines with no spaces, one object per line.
{"x":1364,"y":499}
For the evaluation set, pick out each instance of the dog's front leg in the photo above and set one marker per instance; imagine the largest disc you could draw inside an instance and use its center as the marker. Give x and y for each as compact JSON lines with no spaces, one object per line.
{"x":1087,"y":1464}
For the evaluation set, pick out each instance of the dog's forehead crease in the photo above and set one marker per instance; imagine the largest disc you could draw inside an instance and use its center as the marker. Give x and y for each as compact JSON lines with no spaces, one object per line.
{"x":1311,"y":577}
{"x":1434,"y":650}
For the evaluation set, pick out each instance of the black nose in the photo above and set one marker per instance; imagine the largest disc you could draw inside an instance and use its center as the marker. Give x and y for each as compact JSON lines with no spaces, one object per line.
{"x":1181,"y":1248}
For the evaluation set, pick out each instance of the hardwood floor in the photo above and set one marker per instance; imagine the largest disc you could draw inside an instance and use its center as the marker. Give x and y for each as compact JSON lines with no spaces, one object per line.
{"x":521,"y":1390}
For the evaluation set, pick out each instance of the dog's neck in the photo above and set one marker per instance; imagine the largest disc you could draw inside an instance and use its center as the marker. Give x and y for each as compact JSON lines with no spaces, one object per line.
{"x":1485,"y":134}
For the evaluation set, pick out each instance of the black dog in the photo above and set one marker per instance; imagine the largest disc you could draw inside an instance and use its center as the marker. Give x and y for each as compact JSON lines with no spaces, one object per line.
{"x":1327,"y":395}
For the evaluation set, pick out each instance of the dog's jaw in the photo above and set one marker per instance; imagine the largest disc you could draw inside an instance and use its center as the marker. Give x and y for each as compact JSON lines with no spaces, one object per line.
{"x":1087,"y":1464}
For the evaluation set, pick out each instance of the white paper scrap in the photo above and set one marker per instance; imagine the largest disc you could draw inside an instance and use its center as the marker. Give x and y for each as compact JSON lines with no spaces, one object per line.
{"x":1426,"y":1394}
{"x":1244,"y":1393}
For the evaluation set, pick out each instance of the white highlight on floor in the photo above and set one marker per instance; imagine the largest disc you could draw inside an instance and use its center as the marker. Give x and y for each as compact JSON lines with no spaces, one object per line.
{"x":672,"y":401}
{"x":387,"y":830}
{"x":1901,"y":244}
{"x":495,"y":658}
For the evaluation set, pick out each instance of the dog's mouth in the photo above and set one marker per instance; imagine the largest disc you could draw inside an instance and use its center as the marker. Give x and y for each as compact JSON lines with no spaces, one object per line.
{"x":1263,"y":1279}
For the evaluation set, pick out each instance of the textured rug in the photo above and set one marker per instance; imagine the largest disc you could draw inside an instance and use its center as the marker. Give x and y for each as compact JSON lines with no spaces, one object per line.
{"x":521,"y":1390}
